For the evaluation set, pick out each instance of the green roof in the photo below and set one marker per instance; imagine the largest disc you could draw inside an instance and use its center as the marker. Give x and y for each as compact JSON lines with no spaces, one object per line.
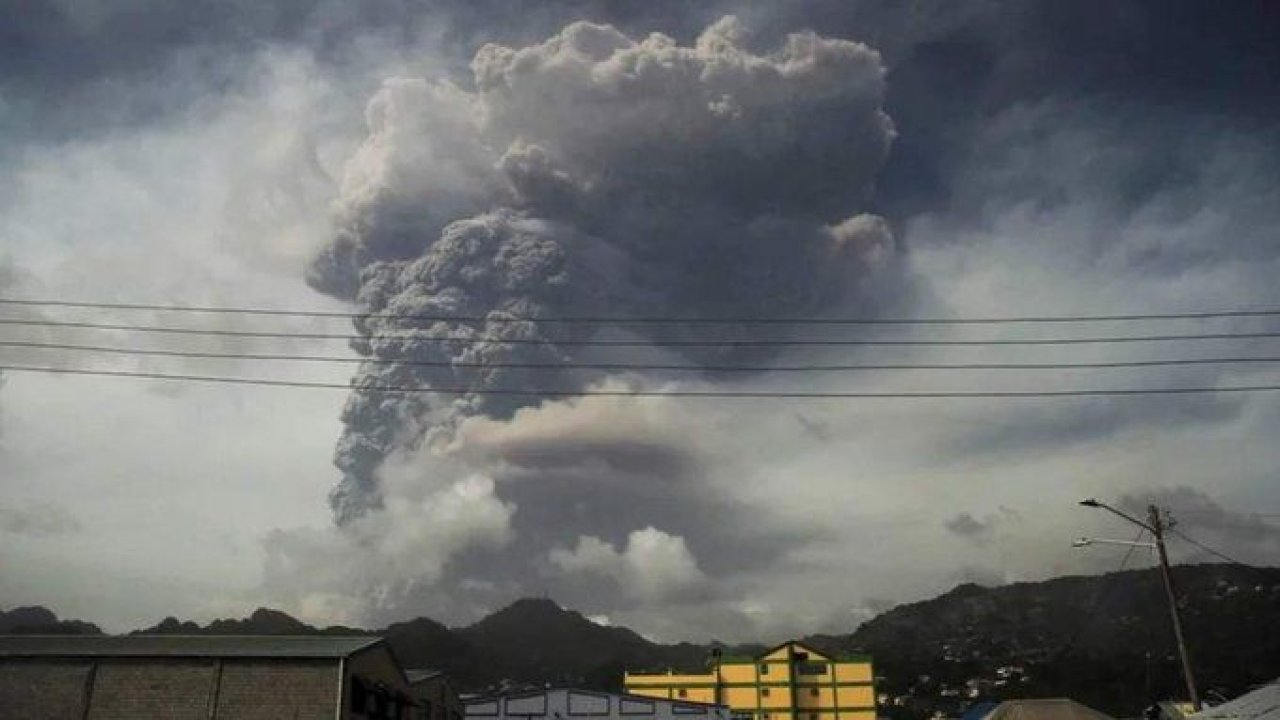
{"x":744,"y":659}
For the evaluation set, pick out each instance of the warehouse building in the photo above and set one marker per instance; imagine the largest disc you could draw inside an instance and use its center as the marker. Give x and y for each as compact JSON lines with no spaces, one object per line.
{"x":205,"y":677}
{"x":435,"y":693}
{"x":562,"y":704}
{"x":789,"y":682}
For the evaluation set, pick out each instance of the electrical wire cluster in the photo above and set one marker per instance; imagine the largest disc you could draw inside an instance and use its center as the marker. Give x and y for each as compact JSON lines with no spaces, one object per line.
{"x":1251,"y":348}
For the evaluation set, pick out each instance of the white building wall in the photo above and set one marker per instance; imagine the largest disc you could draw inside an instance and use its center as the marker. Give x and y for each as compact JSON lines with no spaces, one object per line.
{"x":566,"y":704}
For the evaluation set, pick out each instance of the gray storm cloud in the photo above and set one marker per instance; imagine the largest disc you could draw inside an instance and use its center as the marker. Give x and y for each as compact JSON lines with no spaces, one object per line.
{"x":1196,"y":513}
{"x":38,"y":520}
{"x":593,"y":174}
{"x":1051,"y":160}
{"x":980,"y":530}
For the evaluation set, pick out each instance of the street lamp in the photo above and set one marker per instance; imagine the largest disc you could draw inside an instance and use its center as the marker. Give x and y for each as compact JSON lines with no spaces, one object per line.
{"x":1156,"y":526}
{"x":1095,"y":503}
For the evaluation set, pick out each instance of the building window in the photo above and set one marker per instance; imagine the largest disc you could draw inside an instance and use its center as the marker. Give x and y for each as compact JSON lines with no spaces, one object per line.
{"x":764,"y":668}
{"x":682,"y":692}
{"x":813,"y":692}
{"x":764,"y":692}
{"x":812,"y":668}
{"x":813,"y":716}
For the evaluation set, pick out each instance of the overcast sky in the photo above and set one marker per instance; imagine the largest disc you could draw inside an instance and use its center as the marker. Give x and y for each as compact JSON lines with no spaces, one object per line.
{"x":814,"y":158}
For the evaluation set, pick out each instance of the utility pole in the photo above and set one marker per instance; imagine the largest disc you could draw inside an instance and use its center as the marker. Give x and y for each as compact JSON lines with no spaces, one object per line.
{"x":716,"y":658}
{"x":1156,"y":526}
{"x":1157,"y":530}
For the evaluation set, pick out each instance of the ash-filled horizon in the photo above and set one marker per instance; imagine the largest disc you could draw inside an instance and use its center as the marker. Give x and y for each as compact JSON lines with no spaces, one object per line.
{"x":593,"y":174}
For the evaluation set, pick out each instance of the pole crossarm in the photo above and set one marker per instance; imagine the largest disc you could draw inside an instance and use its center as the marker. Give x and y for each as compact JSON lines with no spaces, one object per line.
{"x":1086,"y":541}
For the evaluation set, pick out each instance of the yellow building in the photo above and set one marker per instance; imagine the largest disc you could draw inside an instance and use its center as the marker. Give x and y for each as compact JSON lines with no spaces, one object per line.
{"x":789,"y":682}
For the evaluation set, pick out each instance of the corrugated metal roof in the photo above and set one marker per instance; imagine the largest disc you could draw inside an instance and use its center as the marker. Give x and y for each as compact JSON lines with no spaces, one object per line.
{"x":475,"y":698}
{"x":257,"y":646}
{"x":1045,"y":709}
{"x":1260,"y":704}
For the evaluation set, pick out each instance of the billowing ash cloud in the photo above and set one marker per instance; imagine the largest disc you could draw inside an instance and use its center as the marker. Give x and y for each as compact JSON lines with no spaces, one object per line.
{"x":1197,"y":516}
{"x":979,"y":531}
{"x":593,"y":174}
{"x":966,"y":525}
{"x":654,"y":565}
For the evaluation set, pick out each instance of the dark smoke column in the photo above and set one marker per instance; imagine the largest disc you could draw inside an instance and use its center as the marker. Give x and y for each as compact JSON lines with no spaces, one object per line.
{"x":593,"y":174}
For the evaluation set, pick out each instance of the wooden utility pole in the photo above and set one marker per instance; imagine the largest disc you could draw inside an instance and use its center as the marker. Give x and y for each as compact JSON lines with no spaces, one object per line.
{"x":1157,"y":528}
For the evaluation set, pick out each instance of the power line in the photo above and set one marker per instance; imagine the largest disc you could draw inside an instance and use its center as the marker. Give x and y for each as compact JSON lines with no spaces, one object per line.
{"x":1206,"y":548}
{"x":412,"y":389}
{"x":638,"y":366}
{"x":1258,"y":525}
{"x":642,"y":343}
{"x":1211,"y":513}
{"x":1107,"y":584}
{"x":1202,"y":315}
{"x":1129,"y":553}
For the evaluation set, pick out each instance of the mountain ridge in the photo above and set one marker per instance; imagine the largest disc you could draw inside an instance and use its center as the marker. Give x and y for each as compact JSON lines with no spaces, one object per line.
{"x":1103,"y":640}
{"x":34,"y":619}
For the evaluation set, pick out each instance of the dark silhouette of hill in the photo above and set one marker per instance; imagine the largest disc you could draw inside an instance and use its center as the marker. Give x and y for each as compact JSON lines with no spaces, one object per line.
{"x":263,"y":621}
{"x":532,"y":642}
{"x":41,"y":621}
{"x":563,"y":647}
{"x":1103,"y":640}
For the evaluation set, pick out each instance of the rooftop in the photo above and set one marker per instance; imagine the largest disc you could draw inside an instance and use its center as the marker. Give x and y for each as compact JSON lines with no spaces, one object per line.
{"x":1262,"y":703}
{"x":245,"y":646}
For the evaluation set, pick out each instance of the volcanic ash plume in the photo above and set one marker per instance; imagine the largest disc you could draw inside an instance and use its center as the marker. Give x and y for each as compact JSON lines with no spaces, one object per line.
{"x":593,"y":174}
